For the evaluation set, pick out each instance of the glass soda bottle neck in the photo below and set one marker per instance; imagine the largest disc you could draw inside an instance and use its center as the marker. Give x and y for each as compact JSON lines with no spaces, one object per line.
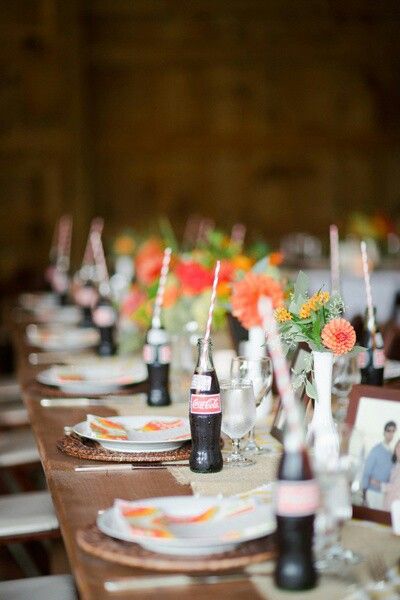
{"x":205,"y":360}
{"x":370,"y":323}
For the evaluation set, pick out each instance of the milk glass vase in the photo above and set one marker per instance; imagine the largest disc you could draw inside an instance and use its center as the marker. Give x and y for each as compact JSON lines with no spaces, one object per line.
{"x":322,"y":432}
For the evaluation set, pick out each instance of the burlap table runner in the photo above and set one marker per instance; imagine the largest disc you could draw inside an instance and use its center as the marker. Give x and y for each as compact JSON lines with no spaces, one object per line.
{"x":368,"y":539}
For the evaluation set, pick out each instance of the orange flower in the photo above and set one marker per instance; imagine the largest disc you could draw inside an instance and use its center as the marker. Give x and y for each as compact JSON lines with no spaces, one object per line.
{"x":124,"y":245}
{"x":171,"y":295}
{"x":339,"y":336}
{"x":223,"y":289}
{"x":246,"y":294}
{"x":282,"y":315}
{"x":276,"y":259}
{"x":242,"y":262}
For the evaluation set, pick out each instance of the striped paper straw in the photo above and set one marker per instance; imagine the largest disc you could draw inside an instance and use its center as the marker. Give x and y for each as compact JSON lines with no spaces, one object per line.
{"x":64,"y":242}
{"x":96,"y":224}
{"x":156,"y":320}
{"x":367,"y":282}
{"x":238,"y":234}
{"x":210,"y":314}
{"x":100,"y":262}
{"x":334,"y":247}
{"x":294,"y":438}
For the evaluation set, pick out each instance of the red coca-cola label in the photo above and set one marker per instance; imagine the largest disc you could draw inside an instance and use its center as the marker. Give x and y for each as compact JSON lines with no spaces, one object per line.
{"x":296,"y":498}
{"x":204,"y":404}
{"x":362,"y":360}
{"x":164,"y":355}
{"x":104,"y":316}
{"x":378,"y":358}
{"x":150,"y":354}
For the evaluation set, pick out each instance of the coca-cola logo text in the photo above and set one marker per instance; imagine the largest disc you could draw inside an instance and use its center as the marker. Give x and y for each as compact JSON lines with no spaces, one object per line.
{"x":202,"y":404}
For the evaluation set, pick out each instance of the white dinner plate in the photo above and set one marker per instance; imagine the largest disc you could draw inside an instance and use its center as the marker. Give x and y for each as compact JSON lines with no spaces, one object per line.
{"x":139,"y":440}
{"x":59,"y":337}
{"x":188,"y":525}
{"x":37,"y":301}
{"x":93,"y":379}
{"x":66,"y":315}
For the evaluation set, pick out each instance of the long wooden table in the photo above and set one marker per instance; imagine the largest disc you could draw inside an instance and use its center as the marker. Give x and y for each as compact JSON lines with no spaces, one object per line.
{"x":79,"y":496}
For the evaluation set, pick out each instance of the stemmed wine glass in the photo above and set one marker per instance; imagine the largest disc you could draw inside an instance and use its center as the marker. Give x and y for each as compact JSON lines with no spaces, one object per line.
{"x":238,"y":417}
{"x":259,"y":372}
{"x":337,"y":485}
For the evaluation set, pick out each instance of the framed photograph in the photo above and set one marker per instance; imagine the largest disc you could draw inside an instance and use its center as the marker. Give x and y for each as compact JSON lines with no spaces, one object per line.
{"x":374,"y":417}
{"x":278,"y":423}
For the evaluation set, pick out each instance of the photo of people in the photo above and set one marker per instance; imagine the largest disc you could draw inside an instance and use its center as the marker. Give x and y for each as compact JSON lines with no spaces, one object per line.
{"x":378,"y":436}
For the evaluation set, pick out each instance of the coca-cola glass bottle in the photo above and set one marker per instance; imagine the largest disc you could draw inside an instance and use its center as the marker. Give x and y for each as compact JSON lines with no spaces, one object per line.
{"x":372,"y":360}
{"x":105,"y":318}
{"x":205,"y":414}
{"x":296,"y":502}
{"x":157,"y":356}
{"x":86,"y":296}
{"x":60,"y":285}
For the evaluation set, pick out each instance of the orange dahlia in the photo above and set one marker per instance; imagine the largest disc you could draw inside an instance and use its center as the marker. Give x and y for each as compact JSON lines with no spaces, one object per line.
{"x":246,"y":294}
{"x":339,"y":336}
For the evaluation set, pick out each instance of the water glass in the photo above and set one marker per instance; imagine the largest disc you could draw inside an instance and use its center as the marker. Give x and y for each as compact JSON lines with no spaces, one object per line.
{"x":337,"y":485}
{"x":259,"y":372}
{"x":238,"y":417}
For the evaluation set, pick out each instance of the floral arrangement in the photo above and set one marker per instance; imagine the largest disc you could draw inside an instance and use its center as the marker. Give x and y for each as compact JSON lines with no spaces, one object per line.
{"x":364,"y":226}
{"x":316,"y":320}
{"x":188,"y":288}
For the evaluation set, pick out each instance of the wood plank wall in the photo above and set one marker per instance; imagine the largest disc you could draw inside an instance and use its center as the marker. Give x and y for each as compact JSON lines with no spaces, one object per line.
{"x":283,"y":114}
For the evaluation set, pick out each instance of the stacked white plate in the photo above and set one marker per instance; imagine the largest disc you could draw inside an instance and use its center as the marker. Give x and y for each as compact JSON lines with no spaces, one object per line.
{"x":93,"y":379}
{"x":188,"y":525}
{"x":144,"y":433}
{"x":37,"y":301}
{"x":58,"y":337}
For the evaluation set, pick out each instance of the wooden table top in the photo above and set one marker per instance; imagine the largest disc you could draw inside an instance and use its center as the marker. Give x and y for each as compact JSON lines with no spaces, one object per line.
{"x":79,"y":496}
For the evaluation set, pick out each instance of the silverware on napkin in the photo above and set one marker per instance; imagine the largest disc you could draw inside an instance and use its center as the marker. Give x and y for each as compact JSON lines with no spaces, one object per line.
{"x":166,"y":581}
{"x":132,"y":466}
{"x":77,"y":402}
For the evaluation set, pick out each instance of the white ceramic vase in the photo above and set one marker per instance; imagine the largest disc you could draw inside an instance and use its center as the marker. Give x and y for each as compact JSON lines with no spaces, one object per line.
{"x":322,"y":432}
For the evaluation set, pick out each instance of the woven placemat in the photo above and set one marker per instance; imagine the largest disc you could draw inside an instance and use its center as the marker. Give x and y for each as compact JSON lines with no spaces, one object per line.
{"x":96,"y":543}
{"x":90,"y":450}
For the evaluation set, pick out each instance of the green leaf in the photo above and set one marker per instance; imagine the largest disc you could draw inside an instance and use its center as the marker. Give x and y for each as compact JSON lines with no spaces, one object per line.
{"x":302,"y":284}
{"x":311,"y":390}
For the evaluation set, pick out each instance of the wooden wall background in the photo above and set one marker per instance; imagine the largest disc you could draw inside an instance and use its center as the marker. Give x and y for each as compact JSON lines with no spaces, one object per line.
{"x":284,"y":114}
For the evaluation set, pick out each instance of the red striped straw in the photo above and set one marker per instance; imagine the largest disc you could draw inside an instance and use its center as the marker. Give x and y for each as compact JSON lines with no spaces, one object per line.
{"x":156,"y":320}
{"x":210,"y":314}
{"x":294,"y":438}
{"x":100,"y":262}
{"x":238,"y":234}
{"x":335,"y":269}
{"x":96,"y":224}
{"x":64,"y":242}
{"x":367,"y":282}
